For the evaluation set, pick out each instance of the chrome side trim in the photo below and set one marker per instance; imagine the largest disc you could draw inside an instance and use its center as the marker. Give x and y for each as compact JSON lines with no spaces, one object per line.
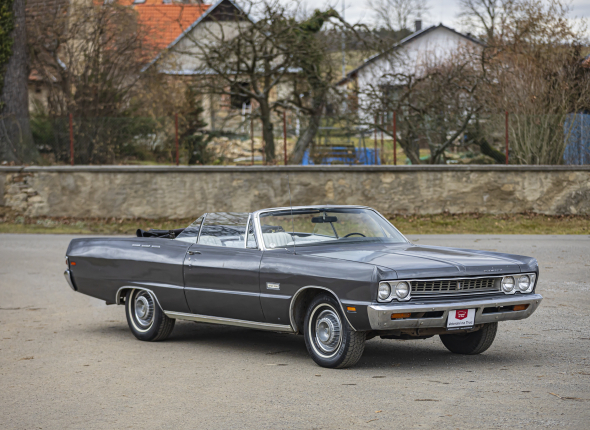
{"x":68,"y":276}
{"x":229,"y":321}
{"x":274,"y":296}
{"x":133,"y":287}
{"x":211,"y":290}
{"x":299,"y":291}
{"x":380,"y":314}
{"x":156,"y":284}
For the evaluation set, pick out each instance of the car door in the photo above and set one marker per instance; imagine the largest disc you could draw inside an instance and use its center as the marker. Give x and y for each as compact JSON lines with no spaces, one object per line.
{"x":221,"y":275}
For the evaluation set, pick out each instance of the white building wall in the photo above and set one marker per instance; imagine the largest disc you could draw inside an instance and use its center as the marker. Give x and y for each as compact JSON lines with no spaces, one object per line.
{"x":436,"y":47}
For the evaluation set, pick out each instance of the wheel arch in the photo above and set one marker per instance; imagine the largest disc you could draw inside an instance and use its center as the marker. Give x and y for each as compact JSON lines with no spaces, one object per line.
{"x":121,"y":292}
{"x":300,"y":301}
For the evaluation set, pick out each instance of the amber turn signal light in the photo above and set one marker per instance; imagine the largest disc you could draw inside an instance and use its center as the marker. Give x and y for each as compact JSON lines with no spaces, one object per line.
{"x":398,"y":316}
{"x":351,"y":309}
{"x":520,"y":307}
{"x":73,"y":263}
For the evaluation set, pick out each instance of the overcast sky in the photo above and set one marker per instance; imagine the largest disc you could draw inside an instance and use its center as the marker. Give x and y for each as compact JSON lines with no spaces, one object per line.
{"x":444,"y":11}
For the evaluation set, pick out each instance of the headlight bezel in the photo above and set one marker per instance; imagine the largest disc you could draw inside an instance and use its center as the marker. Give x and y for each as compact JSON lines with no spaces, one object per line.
{"x":532,"y":277}
{"x":393,"y":291}
{"x":406,"y":296}
{"x":523,"y":280}
{"x":386,"y":287}
{"x":505,"y":282}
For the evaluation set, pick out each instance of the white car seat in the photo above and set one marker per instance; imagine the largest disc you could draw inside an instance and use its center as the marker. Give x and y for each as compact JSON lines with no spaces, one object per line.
{"x":277,"y":240}
{"x":210,"y":240}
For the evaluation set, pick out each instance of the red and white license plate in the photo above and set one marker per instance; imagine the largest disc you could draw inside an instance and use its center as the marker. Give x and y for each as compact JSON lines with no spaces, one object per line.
{"x":461,"y":318}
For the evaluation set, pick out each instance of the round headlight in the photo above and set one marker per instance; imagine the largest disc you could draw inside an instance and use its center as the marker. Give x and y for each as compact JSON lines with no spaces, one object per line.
{"x":402,"y":289}
{"x":524,"y":283}
{"x":508,"y":284}
{"x":384,"y":291}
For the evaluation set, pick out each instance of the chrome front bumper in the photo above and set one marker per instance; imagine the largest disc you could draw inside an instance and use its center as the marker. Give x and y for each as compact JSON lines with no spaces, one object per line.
{"x":68,"y":277}
{"x":380,"y":314}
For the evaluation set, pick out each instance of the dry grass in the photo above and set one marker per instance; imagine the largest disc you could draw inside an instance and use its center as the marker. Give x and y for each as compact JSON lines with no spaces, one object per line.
{"x":492,"y":224}
{"x":412,"y":224}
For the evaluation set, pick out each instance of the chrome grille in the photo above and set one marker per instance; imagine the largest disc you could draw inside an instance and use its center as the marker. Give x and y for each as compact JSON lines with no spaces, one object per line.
{"x":455,"y":286}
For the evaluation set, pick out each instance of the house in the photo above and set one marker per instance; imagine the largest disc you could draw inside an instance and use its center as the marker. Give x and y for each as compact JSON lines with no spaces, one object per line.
{"x":422,"y":49}
{"x":168,"y":27}
{"x":175,"y":27}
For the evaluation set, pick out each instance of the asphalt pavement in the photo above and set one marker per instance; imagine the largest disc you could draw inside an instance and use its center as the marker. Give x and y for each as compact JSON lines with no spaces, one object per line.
{"x":68,"y":361}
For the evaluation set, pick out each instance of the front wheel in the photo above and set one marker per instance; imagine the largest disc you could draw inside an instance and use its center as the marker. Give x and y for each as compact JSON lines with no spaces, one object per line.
{"x":471,"y":343}
{"x":329,"y":339}
{"x":145,"y":318}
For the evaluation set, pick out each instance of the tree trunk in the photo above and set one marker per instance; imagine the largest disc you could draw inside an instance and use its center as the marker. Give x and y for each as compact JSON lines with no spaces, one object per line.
{"x":267,"y":132}
{"x":490,"y":151}
{"x":413,"y":153}
{"x":16,"y":139}
{"x":305,"y":139}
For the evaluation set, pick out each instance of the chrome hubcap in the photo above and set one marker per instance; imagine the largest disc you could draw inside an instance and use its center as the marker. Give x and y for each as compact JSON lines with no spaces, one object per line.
{"x":144,"y":308}
{"x":328,"y":331}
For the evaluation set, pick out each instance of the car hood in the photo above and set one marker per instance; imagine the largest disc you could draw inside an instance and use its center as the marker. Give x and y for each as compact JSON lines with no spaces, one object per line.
{"x":409,"y":260}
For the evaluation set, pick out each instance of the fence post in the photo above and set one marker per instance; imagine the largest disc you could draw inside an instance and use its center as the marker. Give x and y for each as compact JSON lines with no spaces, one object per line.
{"x":71,"y":139}
{"x":263,"y":145}
{"x":394,"y":138}
{"x":285,"y":135}
{"x":252,"y":137}
{"x":382,"y":127}
{"x":506,"y":137}
{"x":176,"y":136}
{"x":375,"y":139}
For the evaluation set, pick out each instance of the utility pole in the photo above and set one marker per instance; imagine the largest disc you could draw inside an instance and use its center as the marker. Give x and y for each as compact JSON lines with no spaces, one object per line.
{"x":343,"y":43}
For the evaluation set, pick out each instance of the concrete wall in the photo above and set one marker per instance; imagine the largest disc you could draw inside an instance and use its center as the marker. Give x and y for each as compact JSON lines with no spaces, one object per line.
{"x":185,"y":192}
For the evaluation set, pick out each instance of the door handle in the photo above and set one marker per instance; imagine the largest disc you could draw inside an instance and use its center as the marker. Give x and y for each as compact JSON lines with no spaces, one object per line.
{"x":193,"y":252}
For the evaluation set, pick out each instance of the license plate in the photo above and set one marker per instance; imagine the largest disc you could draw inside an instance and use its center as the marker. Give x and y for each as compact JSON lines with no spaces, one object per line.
{"x":461,"y":318}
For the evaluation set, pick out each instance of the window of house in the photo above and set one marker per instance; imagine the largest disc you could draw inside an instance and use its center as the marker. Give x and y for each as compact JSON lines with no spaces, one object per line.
{"x":239,"y":99}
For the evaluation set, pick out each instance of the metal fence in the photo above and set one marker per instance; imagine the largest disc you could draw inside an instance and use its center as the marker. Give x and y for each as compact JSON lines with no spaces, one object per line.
{"x":577,"y":137}
{"x":516,"y":139}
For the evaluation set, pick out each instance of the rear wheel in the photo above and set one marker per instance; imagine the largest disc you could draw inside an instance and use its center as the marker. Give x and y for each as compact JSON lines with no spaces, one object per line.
{"x":329,"y":339}
{"x":145,"y":318}
{"x":471,"y":343}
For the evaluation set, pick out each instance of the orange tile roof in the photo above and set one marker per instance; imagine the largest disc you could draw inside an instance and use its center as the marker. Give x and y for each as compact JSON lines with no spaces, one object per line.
{"x":165,"y":22}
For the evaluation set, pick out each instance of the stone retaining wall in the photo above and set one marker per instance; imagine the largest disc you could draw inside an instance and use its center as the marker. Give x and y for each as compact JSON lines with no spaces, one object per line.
{"x":185,"y":192}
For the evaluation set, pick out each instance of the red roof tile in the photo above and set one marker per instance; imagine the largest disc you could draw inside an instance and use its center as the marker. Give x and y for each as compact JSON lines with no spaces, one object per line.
{"x":165,"y":22}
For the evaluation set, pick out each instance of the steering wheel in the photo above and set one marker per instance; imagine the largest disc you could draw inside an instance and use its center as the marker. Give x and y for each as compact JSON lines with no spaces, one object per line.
{"x":351,"y":234}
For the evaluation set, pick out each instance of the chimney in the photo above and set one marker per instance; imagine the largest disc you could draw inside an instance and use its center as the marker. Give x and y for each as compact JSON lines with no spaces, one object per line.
{"x":418,"y":25}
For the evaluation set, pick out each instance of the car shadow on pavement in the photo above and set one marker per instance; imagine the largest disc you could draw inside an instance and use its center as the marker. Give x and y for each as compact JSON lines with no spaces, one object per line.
{"x":284,"y":347}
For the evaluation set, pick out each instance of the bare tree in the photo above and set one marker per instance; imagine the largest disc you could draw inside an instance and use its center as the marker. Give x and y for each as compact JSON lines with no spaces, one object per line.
{"x":315,"y":81}
{"x":435,"y":103}
{"x":16,"y":143}
{"x":90,"y":59}
{"x":396,"y":15}
{"x":536,"y":74}
{"x":247,"y":58}
{"x":486,"y":17}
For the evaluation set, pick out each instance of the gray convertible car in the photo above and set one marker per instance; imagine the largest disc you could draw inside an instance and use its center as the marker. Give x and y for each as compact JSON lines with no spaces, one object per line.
{"x":338,"y":275}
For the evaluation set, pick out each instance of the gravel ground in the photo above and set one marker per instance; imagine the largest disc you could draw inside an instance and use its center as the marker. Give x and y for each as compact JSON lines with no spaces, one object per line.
{"x":68,"y":361}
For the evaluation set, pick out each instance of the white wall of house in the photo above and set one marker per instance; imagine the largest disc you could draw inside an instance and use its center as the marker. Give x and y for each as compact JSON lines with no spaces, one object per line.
{"x":429,"y":48}
{"x":183,"y":57}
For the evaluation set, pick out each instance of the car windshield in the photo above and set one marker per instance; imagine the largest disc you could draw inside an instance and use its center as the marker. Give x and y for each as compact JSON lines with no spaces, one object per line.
{"x":314,"y":226}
